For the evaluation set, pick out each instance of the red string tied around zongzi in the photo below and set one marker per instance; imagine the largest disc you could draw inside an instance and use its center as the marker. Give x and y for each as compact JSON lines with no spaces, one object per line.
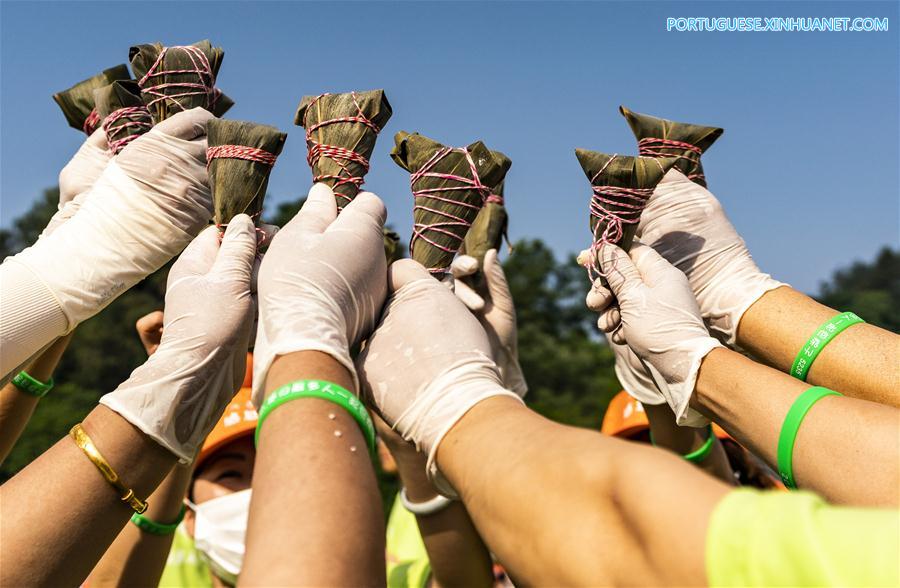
{"x":421,"y":230}
{"x":205,"y":84}
{"x":654,"y":146}
{"x":494,"y":199}
{"x":340,"y":155}
{"x":628,"y":203}
{"x":134,"y":117}
{"x":91,"y":123}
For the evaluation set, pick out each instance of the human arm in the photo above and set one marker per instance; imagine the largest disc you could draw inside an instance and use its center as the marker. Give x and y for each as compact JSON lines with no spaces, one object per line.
{"x":160,"y":414}
{"x":660,"y":321}
{"x":457,"y":555}
{"x":609,"y":511}
{"x":136,"y":557}
{"x":145,"y":207}
{"x":16,"y":406}
{"x":861,"y":361}
{"x":744,"y":307}
{"x":321,"y":287}
{"x":665,"y":433}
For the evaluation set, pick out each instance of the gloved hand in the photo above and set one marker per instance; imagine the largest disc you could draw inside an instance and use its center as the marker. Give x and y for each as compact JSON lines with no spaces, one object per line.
{"x":496,"y":313}
{"x":146,"y":206}
{"x":177,"y":396}
{"x":660,"y":321}
{"x":685,"y":224}
{"x":322,"y":283}
{"x":427,"y":363}
{"x":634,"y":376}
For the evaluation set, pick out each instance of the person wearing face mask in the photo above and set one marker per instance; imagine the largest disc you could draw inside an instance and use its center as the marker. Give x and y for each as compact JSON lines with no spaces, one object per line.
{"x":200,"y":512}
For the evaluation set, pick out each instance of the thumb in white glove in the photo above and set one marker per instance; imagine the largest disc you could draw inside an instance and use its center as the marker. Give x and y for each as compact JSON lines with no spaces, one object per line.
{"x":177,"y":396}
{"x":322,"y":283}
{"x":660,"y":321}
{"x":427,"y":363}
{"x":496,"y":313}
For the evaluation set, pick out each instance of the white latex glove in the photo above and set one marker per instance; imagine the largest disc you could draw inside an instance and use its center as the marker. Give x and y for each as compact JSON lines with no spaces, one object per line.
{"x":322,"y":283}
{"x":85,"y":167}
{"x":685,"y":224}
{"x":427,"y":363}
{"x":142,"y":211}
{"x":78,"y":177}
{"x":177,"y":396}
{"x":496,"y":313}
{"x":634,"y":376}
{"x":660,"y":320}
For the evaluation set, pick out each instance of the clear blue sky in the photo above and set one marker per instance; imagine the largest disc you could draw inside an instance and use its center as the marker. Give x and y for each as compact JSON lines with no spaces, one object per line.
{"x":807,"y":169}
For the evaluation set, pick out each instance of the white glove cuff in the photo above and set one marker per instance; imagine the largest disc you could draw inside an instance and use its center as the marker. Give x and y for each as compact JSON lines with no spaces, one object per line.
{"x":443,"y":403}
{"x":762,"y":284}
{"x":31,"y":315}
{"x":678,"y":393}
{"x":645,"y":393}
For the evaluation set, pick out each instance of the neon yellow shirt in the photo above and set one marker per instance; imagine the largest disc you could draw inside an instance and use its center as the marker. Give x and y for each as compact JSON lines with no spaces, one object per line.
{"x":407,"y":560}
{"x":184,"y":566}
{"x":759,"y":538}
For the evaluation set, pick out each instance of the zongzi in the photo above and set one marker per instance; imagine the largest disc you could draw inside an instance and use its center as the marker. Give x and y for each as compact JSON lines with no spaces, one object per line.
{"x":449,"y":185}
{"x":77,"y":103}
{"x":658,"y":137}
{"x":621,"y":186}
{"x":341,"y":130}
{"x":239,"y":158}
{"x":124,"y":116}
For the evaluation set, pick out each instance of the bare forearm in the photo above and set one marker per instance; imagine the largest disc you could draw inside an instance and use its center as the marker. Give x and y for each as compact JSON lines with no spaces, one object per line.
{"x":456,"y":553}
{"x":685,"y":440}
{"x":62,"y":503}
{"x":860,"y":362}
{"x":608,"y":515}
{"x":16,"y":407}
{"x":137,"y":558}
{"x":839,"y":451}
{"x":312,"y":453}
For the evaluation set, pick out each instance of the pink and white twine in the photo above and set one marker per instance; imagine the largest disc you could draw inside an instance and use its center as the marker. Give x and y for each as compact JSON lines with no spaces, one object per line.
{"x":612,"y":207}
{"x":118,"y":123}
{"x":654,"y":146}
{"x":421,"y":231}
{"x":205,"y":84}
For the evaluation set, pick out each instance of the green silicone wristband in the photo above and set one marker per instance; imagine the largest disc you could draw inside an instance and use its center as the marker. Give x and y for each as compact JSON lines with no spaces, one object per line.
{"x":31,"y":386}
{"x":154,"y":528}
{"x":701,"y":452}
{"x":326,"y":391}
{"x":823,"y":335}
{"x":791,"y":426}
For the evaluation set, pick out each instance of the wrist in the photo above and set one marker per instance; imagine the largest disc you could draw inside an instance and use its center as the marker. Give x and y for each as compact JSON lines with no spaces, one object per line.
{"x":308,"y":365}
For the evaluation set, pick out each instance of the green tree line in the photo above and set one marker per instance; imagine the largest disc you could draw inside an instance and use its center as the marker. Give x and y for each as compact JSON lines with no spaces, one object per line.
{"x":567,"y":364}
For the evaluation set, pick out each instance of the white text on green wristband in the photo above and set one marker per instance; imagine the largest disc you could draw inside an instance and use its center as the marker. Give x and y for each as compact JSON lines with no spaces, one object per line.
{"x":325,"y":391}
{"x":822,"y":336}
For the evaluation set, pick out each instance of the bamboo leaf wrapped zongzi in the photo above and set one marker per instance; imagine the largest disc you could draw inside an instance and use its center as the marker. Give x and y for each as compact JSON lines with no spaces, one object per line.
{"x":341,"y":130}
{"x":77,"y":103}
{"x":240,"y":157}
{"x":658,"y":137}
{"x":621,"y":186}
{"x":449,"y":185}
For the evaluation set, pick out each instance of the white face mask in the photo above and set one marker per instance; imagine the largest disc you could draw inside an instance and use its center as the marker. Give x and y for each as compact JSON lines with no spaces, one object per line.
{"x":219,"y":528}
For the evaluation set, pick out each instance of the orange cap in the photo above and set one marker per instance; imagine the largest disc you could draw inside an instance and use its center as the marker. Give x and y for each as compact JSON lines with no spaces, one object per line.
{"x":624,"y":417}
{"x":238,"y":420}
